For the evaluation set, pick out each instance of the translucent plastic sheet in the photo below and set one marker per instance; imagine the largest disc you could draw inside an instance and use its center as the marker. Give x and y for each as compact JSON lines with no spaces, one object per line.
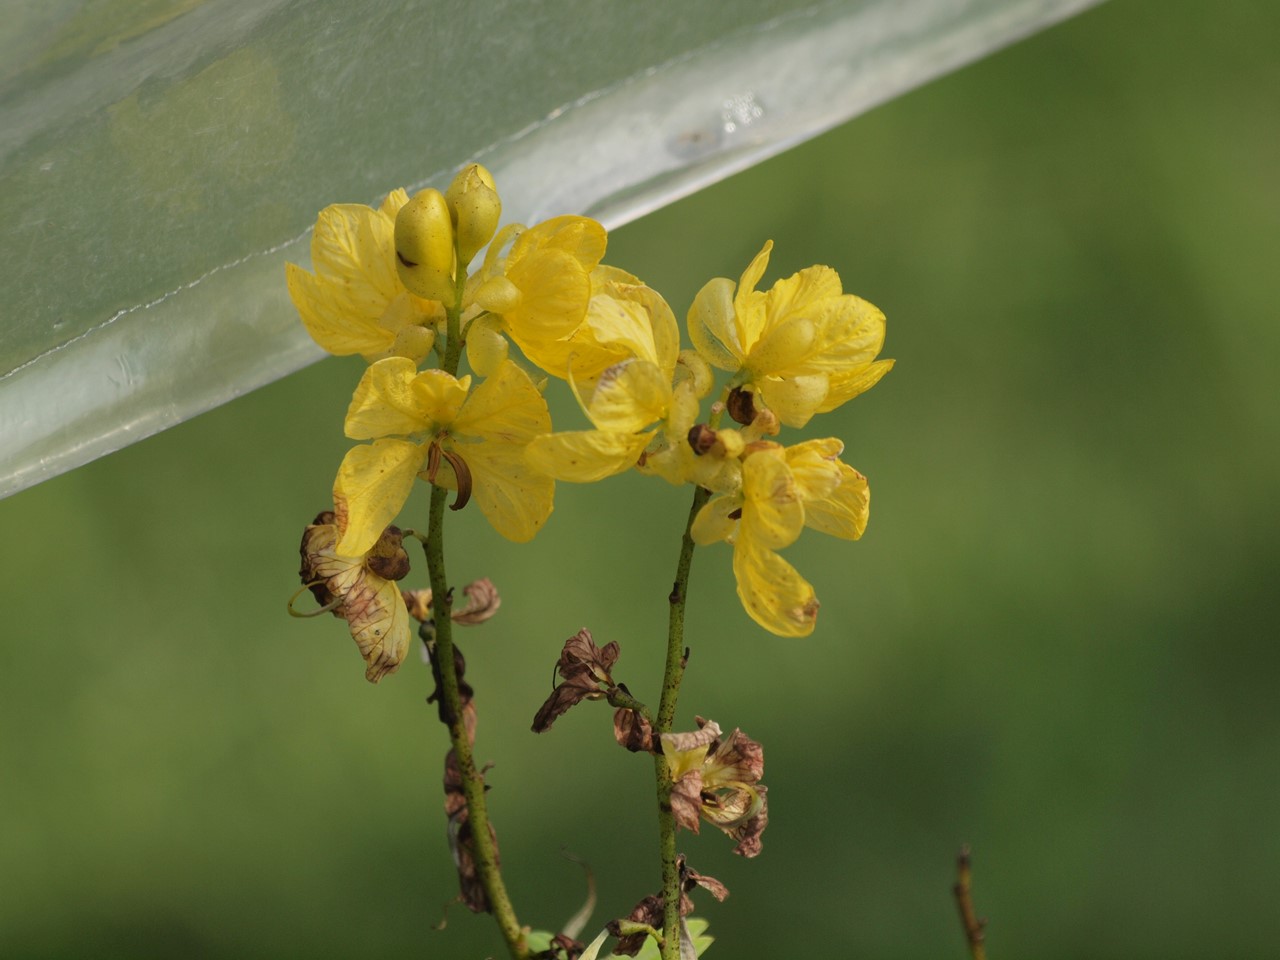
{"x":160,"y":160}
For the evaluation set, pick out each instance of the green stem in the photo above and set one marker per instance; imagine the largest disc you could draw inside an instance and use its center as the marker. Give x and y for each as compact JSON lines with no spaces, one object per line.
{"x":483,"y":848}
{"x":671,"y":678}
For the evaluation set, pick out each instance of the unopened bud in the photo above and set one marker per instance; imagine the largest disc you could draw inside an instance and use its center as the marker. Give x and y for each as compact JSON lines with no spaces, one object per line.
{"x":414,"y":342}
{"x":498,"y":295}
{"x":475,"y":208}
{"x":424,"y":247}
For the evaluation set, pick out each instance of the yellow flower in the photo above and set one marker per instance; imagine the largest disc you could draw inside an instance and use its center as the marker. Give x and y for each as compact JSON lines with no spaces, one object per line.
{"x":628,"y":396}
{"x":426,"y":424}
{"x":783,"y":491}
{"x":361,"y":590}
{"x":804,"y":346}
{"x":541,"y":288}
{"x":355,"y":301}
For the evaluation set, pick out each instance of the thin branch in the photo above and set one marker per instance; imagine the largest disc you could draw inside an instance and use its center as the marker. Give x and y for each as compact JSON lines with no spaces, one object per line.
{"x":974,"y":928}
{"x":674,"y":673}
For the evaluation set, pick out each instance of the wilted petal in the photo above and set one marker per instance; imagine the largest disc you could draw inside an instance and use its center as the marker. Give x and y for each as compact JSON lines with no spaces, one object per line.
{"x":566,"y":694}
{"x":632,"y":731}
{"x":379,"y":623}
{"x":585,"y":668}
{"x":483,"y":603}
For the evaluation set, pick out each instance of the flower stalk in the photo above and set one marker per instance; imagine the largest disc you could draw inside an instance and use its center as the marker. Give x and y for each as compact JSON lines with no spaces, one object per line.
{"x":672,"y":675}
{"x":473,"y":787}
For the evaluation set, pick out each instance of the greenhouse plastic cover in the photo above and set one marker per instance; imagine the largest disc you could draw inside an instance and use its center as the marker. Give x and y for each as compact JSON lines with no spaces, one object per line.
{"x":160,"y":160}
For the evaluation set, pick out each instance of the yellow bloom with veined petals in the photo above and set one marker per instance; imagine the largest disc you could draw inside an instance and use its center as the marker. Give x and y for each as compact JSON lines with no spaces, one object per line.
{"x":783,"y":491}
{"x":540,"y":289}
{"x":433,"y":425}
{"x":804,"y":346}
{"x":355,"y":302}
{"x":629,"y":396}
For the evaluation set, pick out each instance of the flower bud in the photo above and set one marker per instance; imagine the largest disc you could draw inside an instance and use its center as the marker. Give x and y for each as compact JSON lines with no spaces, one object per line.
{"x":424,"y":247}
{"x":475,"y":208}
{"x":498,"y":295}
{"x":414,"y":342}
{"x":486,"y":347}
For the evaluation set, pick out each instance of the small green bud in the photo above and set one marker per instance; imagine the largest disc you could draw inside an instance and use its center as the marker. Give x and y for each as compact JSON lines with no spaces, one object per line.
{"x":424,"y":247}
{"x":475,"y":207}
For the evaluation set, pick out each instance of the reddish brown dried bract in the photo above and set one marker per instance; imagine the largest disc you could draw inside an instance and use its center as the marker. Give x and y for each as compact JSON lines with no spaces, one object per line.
{"x":585,"y":668}
{"x":632,"y":731}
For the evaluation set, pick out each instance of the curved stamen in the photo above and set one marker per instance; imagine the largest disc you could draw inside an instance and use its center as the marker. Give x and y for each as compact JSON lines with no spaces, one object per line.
{"x":327,"y":608}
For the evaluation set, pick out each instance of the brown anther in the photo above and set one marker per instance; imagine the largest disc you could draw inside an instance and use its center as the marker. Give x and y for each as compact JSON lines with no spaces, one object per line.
{"x":701,"y":438}
{"x":433,"y":461}
{"x":741,"y":407}
{"x":463,"y":473}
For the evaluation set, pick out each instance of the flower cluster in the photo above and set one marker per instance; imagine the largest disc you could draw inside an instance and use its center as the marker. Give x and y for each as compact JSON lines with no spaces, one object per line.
{"x":395,"y":285}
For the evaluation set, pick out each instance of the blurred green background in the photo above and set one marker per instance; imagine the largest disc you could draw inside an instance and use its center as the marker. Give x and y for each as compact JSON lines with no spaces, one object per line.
{"x":1056,"y":641}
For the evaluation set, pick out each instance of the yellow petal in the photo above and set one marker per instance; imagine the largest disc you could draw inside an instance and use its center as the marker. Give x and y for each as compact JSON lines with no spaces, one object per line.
{"x":748,"y":305}
{"x":844,"y":512}
{"x":849,"y":333}
{"x":581,"y":237}
{"x":801,"y":291}
{"x":772,"y":515}
{"x":506,"y":406}
{"x":815,"y":467}
{"x":847,"y":386}
{"x":353,"y":246}
{"x":486,"y":347}
{"x":439,"y":397}
{"x":371,"y":487}
{"x":391,"y":205}
{"x":384,"y":404}
{"x":554,"y":291}
{"x":710,"y":322}
{"x":772,"y":592}
{"x":782,"y":346}
{"x":334,"y":324}
{"x":629,"y":397}
{"x":624,"y":323}
{"x":713,"y":523}
{"x":585,"y":456}
{"x":795,"y":399}
{"x":514,"y":497}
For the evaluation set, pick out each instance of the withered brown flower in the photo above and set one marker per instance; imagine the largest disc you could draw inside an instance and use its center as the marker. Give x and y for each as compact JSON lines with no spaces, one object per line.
{"x":360,"y":590}
{"x":717,"y":779}
{"x":584,"y":668}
